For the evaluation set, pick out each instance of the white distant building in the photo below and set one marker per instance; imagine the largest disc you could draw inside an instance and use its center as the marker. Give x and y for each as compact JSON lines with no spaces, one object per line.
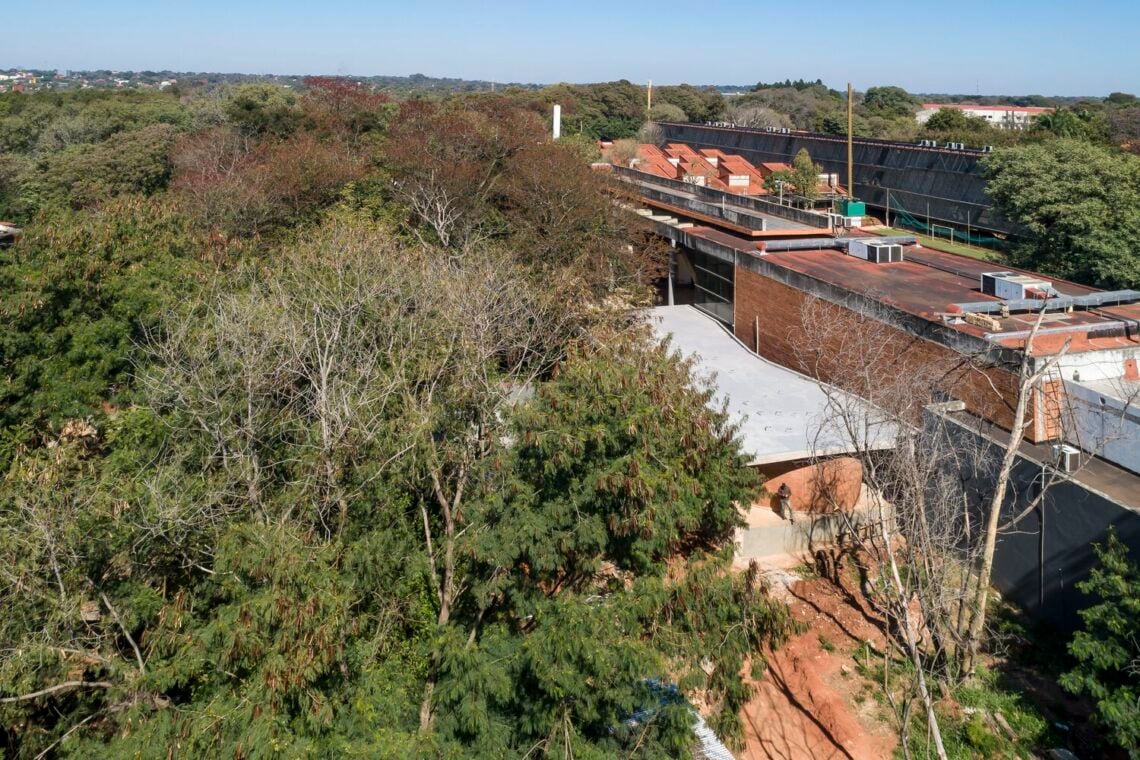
{"x":1001,"y":117}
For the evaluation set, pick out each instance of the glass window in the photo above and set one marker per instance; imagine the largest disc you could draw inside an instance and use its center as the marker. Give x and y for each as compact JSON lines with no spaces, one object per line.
{"x":713,"y":284}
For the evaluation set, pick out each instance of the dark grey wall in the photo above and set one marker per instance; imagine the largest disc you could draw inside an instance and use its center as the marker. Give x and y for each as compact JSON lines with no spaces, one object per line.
{"x":949,"y":182}
{"x":1076,"y":517}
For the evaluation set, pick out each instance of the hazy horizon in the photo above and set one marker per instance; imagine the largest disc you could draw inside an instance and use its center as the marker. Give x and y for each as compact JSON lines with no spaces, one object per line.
{"x":972,"y":49}
{"x":459,"y":77}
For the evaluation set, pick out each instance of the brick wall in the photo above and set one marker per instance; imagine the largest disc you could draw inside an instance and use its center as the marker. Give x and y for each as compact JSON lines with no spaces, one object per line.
{"x":845,"y":348}
{"x":820,"y":487}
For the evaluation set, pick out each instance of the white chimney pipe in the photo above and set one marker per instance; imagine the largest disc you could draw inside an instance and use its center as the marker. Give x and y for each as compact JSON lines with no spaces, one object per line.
{"x":557,"y":121}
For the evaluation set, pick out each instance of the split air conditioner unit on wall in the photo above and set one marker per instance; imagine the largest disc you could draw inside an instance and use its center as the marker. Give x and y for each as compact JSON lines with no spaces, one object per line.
{"x":1068,"y":458}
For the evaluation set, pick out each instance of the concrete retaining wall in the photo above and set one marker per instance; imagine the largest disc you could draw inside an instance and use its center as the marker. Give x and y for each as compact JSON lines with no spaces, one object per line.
{"x":739,"y":218}
{"x":718,"y":196}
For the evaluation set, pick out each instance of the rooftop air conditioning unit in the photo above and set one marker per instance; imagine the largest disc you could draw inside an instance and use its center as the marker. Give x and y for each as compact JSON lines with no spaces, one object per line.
{"x":876,"y":252}
{"x":1011,"y":286}
{"x":1068,"y":458}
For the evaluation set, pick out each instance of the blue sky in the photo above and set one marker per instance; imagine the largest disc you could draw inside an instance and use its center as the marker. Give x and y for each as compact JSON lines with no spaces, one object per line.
{"x":1050,"y":47}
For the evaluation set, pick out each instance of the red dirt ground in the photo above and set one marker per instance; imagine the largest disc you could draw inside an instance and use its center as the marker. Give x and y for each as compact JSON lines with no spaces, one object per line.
{"x":805,"y":706}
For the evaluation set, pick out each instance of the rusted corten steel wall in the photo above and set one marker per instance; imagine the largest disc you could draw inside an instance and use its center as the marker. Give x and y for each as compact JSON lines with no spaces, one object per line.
{"x":947,"y":184}
{"x":778,"y":310}
{"x":816,"y":487}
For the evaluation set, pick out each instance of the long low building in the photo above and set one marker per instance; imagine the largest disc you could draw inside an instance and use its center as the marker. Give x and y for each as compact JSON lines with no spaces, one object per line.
{"x":795,"y":317}
{"x":999,"y":116}
{"x":931,"y":308}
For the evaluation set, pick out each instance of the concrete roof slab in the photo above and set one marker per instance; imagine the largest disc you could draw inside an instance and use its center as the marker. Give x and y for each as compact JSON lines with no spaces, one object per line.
{"x":783,"y":415}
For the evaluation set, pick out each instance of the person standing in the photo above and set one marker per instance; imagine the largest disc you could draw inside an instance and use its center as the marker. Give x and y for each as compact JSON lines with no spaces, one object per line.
{"x":784,"y":494}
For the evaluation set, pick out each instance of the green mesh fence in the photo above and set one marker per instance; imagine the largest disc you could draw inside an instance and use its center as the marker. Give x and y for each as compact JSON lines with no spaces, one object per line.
{"x":903,"y":218}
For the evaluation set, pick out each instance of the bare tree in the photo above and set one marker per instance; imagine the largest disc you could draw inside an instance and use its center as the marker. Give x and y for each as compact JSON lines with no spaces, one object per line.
{"x":936,"y":502}
{"x":758,"y":117}
{"x":352,"y":360}
{"x":1030,"y":375}
{"x":651,"y":133}
{"x":872,"y":416}
{"x":623,"y":152}
{"x":290,"y":378}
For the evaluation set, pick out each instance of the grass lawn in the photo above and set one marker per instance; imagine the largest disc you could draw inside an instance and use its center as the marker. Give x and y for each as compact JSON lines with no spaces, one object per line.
{"x":941,"y":244}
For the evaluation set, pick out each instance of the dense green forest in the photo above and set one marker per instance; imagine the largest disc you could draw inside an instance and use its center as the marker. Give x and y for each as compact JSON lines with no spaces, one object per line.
{"x":616,"y":110}
{"x":326,"y":430}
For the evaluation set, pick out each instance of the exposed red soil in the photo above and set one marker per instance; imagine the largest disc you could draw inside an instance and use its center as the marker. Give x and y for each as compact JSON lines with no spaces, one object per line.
{"x":805,"y":705}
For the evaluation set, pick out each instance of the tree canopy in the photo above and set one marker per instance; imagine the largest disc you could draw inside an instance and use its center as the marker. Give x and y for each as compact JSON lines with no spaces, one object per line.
{"x":805,"y":175}
{"x":955,"y":120}
{"x":890,"y":101}
{"x":329,"y":427}
{"x":667,"y":112}
{"x":1078,"y":207}
{"x":1108,"y":647}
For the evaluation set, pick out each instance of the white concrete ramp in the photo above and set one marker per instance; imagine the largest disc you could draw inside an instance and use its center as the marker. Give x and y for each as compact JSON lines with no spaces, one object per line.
{"x":774,"y":542}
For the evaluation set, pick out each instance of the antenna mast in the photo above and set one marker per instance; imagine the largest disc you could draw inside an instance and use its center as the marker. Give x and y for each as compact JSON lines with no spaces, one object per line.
{"x":850,"y":141}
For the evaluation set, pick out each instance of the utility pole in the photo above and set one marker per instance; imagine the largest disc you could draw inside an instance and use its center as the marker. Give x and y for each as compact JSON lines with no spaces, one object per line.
{"x":648,"y":100}
{"x":1041,"y":548}
{"x":850,"y":145}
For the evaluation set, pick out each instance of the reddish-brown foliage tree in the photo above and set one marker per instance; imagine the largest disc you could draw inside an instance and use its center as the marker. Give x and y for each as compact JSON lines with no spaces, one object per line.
{"x":243,"y":188}
{"x":563,"y":215}
{"x":1124,"y":126}
{"x":339,"y":106}
{"x":446,"y":162}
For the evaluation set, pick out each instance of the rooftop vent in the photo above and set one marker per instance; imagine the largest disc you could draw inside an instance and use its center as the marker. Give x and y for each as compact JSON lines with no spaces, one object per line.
{"x":1011,"y":286}
{"x":875,"y":251}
